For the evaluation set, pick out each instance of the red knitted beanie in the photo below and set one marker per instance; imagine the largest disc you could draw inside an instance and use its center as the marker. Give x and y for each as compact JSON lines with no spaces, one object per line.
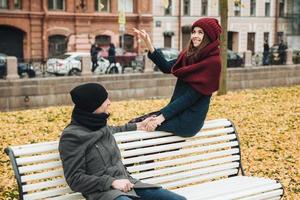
{"x":210,"y":26}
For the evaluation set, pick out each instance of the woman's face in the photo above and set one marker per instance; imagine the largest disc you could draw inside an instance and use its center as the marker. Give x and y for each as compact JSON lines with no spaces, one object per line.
{"x":197,"y":36}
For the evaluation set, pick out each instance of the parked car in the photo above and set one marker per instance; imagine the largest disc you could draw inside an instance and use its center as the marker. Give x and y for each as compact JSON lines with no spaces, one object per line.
{"x":234,"y":59}
{"x":70,"y":64}
{"x":24,"y":69}
{"x":168,"y":53}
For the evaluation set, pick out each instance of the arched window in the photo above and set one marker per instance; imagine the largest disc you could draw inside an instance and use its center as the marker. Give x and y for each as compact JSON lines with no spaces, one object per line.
{"x":103,"y":40}
{"x":57,"y":45}
{"x":128,"y":42}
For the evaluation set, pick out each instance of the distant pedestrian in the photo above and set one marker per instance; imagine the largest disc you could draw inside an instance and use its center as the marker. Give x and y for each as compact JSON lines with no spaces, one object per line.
{"x":266,"y":53}
{"x":112,"y":53}
{"x":94,"y":55}
{"x":281,"y":50}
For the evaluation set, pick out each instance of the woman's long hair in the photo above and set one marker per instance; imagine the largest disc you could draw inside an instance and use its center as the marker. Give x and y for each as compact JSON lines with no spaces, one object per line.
{"x":193,"y":52}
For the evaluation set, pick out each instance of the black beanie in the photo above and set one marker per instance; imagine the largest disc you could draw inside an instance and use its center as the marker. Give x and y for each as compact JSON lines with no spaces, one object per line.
{"x":89,"y":96}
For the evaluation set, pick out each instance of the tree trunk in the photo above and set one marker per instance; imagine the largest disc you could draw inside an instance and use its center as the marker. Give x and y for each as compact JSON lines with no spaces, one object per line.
{"x":224,"y":21}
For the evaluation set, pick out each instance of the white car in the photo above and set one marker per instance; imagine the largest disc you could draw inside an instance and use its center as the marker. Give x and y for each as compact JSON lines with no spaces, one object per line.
{"x":70,"y":64}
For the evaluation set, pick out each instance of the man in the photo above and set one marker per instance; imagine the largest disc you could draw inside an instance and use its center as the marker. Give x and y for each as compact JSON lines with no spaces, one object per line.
{"x":91,"y":158}
{"x":94,"y":55}
{"x":266,"y":53}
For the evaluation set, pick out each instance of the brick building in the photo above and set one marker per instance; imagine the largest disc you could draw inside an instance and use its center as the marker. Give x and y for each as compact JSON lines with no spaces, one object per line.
{"x":38,"y":29}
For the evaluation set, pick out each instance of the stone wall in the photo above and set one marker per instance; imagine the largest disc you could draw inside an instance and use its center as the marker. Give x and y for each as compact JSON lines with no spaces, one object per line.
{"x":41,"y":92}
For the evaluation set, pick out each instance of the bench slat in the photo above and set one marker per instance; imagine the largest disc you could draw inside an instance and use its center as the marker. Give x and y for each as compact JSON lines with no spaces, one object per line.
{"x":34,"y":145}
{"x":74,"y":196}
{"x":225,"y":186}
{"x":178,"y":161}
{"x":266,"y":195}
{"x":43,"y":185}
{"x":187,"y":167}
{"x":196,"y":179}
{"x":39,"y":167}
{"x":43,"y":175}
{"x":245,"y":193}
{"x":157,"y":141}
{"x":187,"y":174}
{"x":140,"y":135}
{"x":128,"y":136}
{"x":178,"y":153}
{"x":37,"y":159}
{"x":48,"y":193}
{"x":30,"y":150}
{"x":165,"y":147}
{"x":216,"y":124}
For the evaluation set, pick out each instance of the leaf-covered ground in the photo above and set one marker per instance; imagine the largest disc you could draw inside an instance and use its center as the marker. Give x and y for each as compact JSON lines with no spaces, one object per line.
{"x":268,"y":122}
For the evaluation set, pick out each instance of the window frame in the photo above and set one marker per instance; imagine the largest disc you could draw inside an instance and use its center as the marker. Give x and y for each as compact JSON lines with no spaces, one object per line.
{"x":204,"y":7}
{"x":252,"y":7}
{"x":108,"y":3}
{"x":3,"y":4}
{"x":186,"y":7}
{"x":55,"y":5}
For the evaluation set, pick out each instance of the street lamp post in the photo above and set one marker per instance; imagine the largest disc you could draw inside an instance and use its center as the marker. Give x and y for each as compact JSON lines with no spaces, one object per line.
{"x":122,"y":22}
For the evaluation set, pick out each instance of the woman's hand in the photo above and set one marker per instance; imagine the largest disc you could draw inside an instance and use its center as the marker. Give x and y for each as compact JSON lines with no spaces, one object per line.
{"x":122,"y":184}
{"x":143,"y":124}
{"x":145,"y":37}
{"x":155,"y":122}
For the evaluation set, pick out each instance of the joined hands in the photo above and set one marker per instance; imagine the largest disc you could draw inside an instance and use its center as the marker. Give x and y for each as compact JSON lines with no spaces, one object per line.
{"x":151,"y":123}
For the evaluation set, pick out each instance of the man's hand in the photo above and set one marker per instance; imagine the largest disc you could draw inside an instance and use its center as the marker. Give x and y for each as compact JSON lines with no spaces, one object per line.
{"x":122,"y":184}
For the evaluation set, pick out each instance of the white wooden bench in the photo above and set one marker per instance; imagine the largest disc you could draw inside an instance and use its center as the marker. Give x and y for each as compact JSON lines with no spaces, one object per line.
{"x":206,"y":166}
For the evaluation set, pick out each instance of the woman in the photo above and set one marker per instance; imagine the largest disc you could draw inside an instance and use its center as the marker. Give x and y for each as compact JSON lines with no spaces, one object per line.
{"x":197,"y":69}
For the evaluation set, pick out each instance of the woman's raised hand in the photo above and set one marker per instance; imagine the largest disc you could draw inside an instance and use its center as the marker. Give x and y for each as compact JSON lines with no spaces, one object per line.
{"x":142,"y":34}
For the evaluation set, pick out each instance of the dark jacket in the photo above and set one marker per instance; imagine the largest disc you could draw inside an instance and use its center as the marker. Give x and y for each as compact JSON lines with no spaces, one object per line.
{"x":186,"y":112}
{"x":92,"y":161}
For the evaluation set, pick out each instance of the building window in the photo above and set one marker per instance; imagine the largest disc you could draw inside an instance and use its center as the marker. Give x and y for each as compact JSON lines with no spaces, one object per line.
{"x":103,"y":40}
{"x":125,"y":5}
{"x":167,"y":41}
{"x":128,"y":42}
{"x":253,"y":7}
{"x":266,"y":37}
{"x":279,"y":37}
{"x":251,"y":42}
{"x":102,"y":5}
{"x":3,"y":4}
{"x":56,"y":4}
{"x":17,"y":4}
{"x":267,"y":8}
{"x":168,"y":38}
{"x":204,"y":8}
{"x":237,"y":8}
{"x":57,"y":45}
{"x":168,"y":8}
{"x":186,"y":7}
{"x":281,"y":8}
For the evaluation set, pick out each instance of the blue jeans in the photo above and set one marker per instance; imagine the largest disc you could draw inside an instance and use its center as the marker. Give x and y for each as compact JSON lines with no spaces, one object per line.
{"x":154,"y":194}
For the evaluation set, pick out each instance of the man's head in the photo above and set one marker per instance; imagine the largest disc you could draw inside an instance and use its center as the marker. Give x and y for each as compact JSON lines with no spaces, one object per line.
{"x":90,"y":97}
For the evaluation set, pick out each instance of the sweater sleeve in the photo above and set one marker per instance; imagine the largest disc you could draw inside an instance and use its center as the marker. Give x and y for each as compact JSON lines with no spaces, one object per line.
{"x":158,"y":59}
{"x":181,"y":103}
{"x":72,"y":154}
{"x":126,"y":127}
